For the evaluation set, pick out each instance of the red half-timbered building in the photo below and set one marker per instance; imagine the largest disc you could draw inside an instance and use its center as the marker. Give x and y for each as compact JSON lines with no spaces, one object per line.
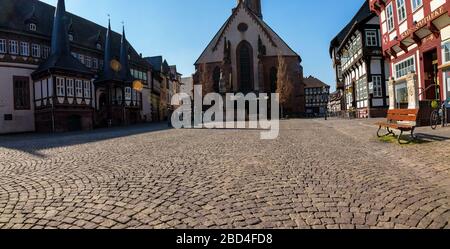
{"x":416,"y":41}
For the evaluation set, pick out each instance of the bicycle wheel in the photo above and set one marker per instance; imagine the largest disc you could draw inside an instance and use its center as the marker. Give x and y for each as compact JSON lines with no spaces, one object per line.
{"x":434,"y":119}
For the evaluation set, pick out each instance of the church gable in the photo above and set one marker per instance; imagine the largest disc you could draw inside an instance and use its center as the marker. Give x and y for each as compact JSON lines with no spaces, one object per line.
{"x":244,"y":25}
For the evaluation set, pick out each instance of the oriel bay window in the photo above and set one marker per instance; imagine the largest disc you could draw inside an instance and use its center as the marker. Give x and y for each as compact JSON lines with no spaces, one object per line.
{"x":21,"y":86}
{"x":60,"y":87}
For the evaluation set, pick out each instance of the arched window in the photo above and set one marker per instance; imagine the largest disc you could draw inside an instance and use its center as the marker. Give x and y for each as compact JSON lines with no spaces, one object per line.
{"x":245,"y":67}
{"x":273,"y":80}
{"x":216,"y":79}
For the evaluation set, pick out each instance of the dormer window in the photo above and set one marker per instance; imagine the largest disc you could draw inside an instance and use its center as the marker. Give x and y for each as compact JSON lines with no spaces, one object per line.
{"x":70,"y":37}
{"x":32,"y":27}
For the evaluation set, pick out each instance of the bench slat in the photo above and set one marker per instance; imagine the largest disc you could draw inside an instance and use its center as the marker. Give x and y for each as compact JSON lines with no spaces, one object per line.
{"x":404,"y":111}
{"x":402,"y":118}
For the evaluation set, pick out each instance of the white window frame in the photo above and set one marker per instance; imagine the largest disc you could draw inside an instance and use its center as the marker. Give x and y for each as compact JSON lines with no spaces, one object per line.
{"x":45,"y":52}
{"x":88,"y":61}
{"x":95,"y":63}
{"x":33,"y":27}
{"x":446,"y":52}
{"x":2,"y":46}
{"x":87,"y":89}
{"x":79,"y":88}
{"x":401,"y":10}
{"x":377,"y":86}
{"x":13,"y":47}
{"x":81,"y":58}
{"x":390,"y":17}
{"x":399,"y":73}
{"x":24,"y":49}
{"x":70,"y":88}
{"x":60,"y":87}
{"x":416,"y":4}
{"x":127,"y":93}
{"x":372,"y":38}
{"x":36,"y":50}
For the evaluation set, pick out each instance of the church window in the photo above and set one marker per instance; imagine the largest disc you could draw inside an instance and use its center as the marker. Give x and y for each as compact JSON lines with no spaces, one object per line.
{"x":79,"y":88}
{"x":21,"y":93}
{"x":245,"y":67}
{"x":242,"y":27}
{"x":273,"y":80}
{"x":25,"y":48}
{"x":216,"y":79}
{"x":60,"y":87}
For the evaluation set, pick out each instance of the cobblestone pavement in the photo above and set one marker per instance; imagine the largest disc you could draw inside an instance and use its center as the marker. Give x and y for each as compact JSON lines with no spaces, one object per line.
{"x":318,"y":174}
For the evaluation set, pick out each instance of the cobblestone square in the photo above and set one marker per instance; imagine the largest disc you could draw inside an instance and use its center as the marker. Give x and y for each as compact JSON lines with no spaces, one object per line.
{"x":317,"y":174}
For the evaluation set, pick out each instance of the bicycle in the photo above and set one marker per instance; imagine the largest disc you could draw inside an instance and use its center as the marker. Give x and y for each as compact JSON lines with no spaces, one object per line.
{"x":438,"y":117}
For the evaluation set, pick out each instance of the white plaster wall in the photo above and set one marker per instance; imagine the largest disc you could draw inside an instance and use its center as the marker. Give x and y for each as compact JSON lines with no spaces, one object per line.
{"x":23,"y":121}
{"x":436,"y":4}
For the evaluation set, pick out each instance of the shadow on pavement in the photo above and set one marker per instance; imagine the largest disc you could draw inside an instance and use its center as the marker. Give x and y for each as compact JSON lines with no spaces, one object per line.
{"x":32,"y":143}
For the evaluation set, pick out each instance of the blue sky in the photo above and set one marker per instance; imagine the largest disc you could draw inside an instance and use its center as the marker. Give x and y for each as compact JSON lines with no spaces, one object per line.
{"x":180,"y":29}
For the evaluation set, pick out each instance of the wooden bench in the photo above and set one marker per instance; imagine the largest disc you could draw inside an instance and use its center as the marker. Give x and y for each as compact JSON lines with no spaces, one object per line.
{"x":397,"y":119}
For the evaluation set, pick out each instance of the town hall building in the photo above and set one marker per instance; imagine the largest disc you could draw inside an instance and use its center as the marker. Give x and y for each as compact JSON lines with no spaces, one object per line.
{"x":244,"y":57}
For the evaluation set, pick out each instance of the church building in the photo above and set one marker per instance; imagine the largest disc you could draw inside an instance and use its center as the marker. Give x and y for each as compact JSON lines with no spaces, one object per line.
{"x":244,"y":57}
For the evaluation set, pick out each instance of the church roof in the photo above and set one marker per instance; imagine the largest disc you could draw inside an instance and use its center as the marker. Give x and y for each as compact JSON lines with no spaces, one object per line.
{"x":267,"y":30}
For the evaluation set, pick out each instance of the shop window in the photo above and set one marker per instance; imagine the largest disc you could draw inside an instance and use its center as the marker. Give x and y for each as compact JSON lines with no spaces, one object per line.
{"x":446,"y":51}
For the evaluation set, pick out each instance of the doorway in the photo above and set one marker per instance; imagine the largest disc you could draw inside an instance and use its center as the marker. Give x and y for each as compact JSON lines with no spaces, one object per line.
{"x":430,"y":63}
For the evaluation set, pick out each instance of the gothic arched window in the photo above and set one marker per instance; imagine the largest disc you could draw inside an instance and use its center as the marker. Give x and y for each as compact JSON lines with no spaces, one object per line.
{"x":245,"y":68}
{"x":273,"y":79}
{"x":216,"y":79}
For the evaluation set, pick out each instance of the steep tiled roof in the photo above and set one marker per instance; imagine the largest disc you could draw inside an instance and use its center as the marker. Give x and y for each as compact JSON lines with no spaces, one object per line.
{"x":14,"y":13}
{"x":312,"y":82}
